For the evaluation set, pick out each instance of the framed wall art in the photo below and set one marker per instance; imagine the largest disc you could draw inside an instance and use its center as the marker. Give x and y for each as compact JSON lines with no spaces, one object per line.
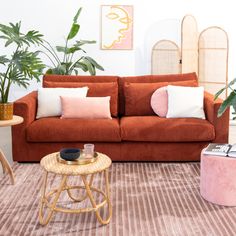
{"x":116,"y":27}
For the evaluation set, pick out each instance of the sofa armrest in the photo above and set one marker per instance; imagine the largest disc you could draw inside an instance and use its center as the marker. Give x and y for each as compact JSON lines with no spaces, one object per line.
{"x":26,"y":107}
{"x":221,"y":124}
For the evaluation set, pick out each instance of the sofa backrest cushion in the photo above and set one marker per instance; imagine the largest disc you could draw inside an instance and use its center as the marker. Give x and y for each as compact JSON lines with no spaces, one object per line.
{"x":150,"y":79}
{"x":99,"y":86}
{"x":138,"y":96}
{"x":78,"y":78}
{"x":95,"y":90}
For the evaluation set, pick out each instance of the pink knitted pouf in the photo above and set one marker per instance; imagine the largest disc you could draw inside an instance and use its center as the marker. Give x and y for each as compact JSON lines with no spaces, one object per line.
{"x":218,"y":179}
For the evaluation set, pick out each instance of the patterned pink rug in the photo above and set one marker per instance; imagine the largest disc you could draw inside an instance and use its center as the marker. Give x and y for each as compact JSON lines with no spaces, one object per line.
{"x":156,"y":199}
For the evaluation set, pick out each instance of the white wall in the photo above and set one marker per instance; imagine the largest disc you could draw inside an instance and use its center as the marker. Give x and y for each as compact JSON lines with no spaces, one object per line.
{"x":153,"y":20}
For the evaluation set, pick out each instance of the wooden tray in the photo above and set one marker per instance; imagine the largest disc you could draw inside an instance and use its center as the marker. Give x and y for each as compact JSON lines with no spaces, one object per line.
{"x":80,"y":161}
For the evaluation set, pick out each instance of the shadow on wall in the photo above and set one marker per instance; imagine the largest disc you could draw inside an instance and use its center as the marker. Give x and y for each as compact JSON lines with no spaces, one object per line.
{"x":166,"y":29}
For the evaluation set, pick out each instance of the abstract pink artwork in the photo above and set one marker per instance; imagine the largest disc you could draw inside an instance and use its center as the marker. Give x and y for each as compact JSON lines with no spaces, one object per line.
{"x":117,"y":27}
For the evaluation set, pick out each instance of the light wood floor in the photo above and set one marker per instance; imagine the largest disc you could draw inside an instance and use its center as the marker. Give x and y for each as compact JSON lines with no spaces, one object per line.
{"x":5,"y":141}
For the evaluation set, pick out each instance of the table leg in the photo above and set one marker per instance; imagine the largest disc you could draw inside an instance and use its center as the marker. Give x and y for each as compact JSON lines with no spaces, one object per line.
{"x":45,"y":219}
{"x":3,"y":166}
{"x":89,"y":193}
{"x":6,"y":166}
{"x":79,"y":198}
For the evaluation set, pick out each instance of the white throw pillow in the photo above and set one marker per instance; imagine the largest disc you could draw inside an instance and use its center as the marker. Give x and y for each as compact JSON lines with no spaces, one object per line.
{"x":49,"y":102}
{"x":185,"y":102}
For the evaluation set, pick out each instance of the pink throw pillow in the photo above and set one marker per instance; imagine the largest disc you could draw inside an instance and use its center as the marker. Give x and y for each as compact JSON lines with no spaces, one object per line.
{"x":88,"y":107}
{"x":159,"y":101}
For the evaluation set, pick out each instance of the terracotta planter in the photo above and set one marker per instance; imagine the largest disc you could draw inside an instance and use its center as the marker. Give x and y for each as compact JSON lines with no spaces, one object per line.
{"x":6,"y":111}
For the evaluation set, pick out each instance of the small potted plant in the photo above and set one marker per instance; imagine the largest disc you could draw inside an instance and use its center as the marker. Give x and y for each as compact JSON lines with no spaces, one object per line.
{"x":21,"y":66}
{"x":229,"y":101}
{"x":74,"y":57}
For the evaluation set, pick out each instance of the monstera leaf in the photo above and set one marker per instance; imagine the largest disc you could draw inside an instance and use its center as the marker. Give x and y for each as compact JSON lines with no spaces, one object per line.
{"x":23,"y":65}
{"x":229,"y":101}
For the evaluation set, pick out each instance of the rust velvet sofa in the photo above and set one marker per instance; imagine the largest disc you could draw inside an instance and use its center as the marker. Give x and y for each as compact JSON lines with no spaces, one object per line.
{"x":134,"y":133}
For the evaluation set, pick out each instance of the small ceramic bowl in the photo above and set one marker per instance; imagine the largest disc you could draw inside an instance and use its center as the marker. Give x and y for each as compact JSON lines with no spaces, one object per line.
{"x":70,"y":154}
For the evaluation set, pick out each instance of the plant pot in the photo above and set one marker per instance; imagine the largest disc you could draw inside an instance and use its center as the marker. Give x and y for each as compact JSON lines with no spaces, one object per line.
{"x":6,"y":111}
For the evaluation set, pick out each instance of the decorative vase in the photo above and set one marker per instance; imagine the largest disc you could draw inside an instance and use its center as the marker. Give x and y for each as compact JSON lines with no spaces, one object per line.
{"x":6,"y":111}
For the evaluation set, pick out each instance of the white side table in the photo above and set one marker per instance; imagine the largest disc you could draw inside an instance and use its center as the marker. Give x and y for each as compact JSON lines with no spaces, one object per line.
{"x":5,"y":164}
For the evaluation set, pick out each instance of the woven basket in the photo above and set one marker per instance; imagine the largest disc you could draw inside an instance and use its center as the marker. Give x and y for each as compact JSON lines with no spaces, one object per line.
{"x":6,"y":111}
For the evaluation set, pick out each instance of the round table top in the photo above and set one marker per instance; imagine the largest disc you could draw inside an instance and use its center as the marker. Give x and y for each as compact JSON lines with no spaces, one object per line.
{"x":50,"y":164}
{"x":16,"y":120}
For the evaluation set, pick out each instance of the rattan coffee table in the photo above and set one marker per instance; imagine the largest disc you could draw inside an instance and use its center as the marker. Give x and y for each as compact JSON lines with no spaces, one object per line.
{"x":51,"y":165}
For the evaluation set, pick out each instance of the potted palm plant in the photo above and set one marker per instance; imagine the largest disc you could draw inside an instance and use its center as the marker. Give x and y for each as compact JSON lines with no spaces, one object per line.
{"x":229,"y":101}
{"x":74,"y":57}
{"x":21,"y":66}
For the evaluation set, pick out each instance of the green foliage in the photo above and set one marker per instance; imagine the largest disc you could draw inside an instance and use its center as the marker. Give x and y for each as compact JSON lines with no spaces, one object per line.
{"x":12,"y":34}
{"x":23,"y":65}
{"x":229,"y":101}
{"x":70,"y":63}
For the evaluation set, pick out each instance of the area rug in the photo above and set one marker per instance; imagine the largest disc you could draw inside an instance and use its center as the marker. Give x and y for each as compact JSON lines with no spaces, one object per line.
{"x":148,"y":199}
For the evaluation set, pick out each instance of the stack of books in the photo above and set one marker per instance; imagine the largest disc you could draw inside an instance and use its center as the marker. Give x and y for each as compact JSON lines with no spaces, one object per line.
{"x":221,"y":149}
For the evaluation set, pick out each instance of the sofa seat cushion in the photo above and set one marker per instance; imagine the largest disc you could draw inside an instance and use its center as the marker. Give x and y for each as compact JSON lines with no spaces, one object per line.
{"x":156,"y":129}
{"x":54,"y":129}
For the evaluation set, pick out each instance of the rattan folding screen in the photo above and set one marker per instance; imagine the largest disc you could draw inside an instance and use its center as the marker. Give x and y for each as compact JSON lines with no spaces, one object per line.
{"x":205,"y":53}
{"x":213,"y":59}
{"x":189,"y":44}
{"x":165,"y":58}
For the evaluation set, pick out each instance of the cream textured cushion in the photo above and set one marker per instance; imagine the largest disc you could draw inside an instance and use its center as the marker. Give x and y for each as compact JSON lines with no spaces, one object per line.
{"x":185,"y":102}
{"x":49,"y":103}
